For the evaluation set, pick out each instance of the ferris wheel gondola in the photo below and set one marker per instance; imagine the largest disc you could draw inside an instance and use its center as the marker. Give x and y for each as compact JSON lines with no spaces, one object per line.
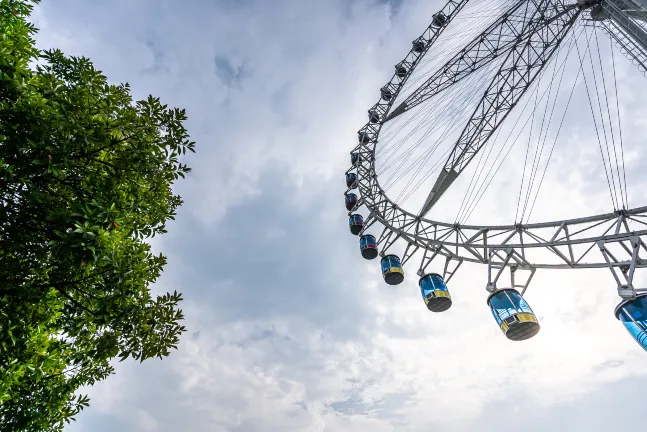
{"x":509,"y":55}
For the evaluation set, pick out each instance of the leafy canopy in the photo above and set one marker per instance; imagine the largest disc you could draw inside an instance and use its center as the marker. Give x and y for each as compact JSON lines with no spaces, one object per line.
{"x":86,"y":178}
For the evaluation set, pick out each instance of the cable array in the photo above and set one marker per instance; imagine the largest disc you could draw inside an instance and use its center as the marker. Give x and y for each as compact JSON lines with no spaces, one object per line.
{"x":413,"y":147}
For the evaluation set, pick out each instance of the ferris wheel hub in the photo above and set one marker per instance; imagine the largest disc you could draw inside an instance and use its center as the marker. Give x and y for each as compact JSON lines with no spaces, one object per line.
{"x":588,"y":4}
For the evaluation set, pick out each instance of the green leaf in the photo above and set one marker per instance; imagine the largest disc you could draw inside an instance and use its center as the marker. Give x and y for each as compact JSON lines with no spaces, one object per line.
{"x":79,"y":286}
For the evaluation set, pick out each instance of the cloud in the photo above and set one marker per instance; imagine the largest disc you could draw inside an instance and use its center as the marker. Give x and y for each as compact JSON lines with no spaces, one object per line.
{"x":289,"y":328}
{"x":394,"y":5}
{"x":158,"y":57}
{"x":227,"y":73}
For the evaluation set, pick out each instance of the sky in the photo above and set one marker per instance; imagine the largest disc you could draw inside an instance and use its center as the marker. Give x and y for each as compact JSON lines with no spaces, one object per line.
{"x":289,"y":329}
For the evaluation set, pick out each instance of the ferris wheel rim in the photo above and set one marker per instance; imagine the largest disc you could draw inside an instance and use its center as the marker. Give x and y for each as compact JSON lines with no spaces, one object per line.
{"x":535,"y":225}
{"x":512,"y":313}
{"x":373,"y":196}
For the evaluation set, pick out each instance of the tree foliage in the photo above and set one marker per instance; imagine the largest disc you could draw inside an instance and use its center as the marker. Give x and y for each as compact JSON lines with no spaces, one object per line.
{"x":85,"y":180}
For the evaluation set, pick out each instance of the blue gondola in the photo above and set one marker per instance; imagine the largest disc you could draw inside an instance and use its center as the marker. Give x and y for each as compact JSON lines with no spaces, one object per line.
{"x":392,"y":270}
{"x":351,"y":180}
{"x":419,"y":45}
{"x":400,"y":71}
{"x":354,"y":158}
{"x":373,"y":116}
{"x":363,"y":138}
{"x":439,"y":20}
{"x":515,"y":318}
{"x":351,"y":200}
{"x":434,"y":292}
{"x":386,"y":94}
{"x":633,"y":314}
{"x":356,"y":223}
{"x":368,"y":246}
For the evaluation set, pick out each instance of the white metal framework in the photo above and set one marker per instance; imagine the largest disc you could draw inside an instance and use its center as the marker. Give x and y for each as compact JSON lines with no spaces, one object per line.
{"x":523,"y":40}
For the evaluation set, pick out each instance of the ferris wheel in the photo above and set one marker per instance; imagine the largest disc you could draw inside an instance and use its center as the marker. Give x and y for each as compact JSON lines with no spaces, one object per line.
{"x":481,"y":71}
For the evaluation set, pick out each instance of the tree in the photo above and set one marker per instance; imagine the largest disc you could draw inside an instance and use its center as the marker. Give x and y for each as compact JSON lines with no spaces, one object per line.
{"x":86,"y":178}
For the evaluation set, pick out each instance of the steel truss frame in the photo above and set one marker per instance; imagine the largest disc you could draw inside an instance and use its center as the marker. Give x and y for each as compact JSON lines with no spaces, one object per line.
{"x":526,"y":58}
{"x":514,"y":25}
{"x":559,"y":244}
{"x":395,"y":84}
{"x":623,"y":29}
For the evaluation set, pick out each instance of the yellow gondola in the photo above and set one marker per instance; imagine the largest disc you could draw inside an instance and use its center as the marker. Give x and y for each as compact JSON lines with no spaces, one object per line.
{"x":515,"y":318}
{"x":435,"y":293}
{"x":392,"y":270}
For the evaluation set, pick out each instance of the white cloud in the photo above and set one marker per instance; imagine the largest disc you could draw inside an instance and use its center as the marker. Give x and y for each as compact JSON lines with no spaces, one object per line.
{"x":289,"y":329}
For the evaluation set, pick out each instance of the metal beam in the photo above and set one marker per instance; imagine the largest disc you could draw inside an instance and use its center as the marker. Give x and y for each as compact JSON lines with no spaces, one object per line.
{"x":564,"y":244}
{"x":523,"y":64}
{"x":620,"y":19}
{"x":420,"y":47}
{"x":494,"y":42}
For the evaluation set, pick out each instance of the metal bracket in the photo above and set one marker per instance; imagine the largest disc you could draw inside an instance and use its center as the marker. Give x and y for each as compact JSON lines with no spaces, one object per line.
{"x":448,"y":271}
{"x":429,"y":255}
{"x":368,"y":222}
{"x":520,"y":263}
{"x":386,"y":240}
{"x":626,"y":290}
{"x":411,"y":249}
{"x":360,"y":202}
